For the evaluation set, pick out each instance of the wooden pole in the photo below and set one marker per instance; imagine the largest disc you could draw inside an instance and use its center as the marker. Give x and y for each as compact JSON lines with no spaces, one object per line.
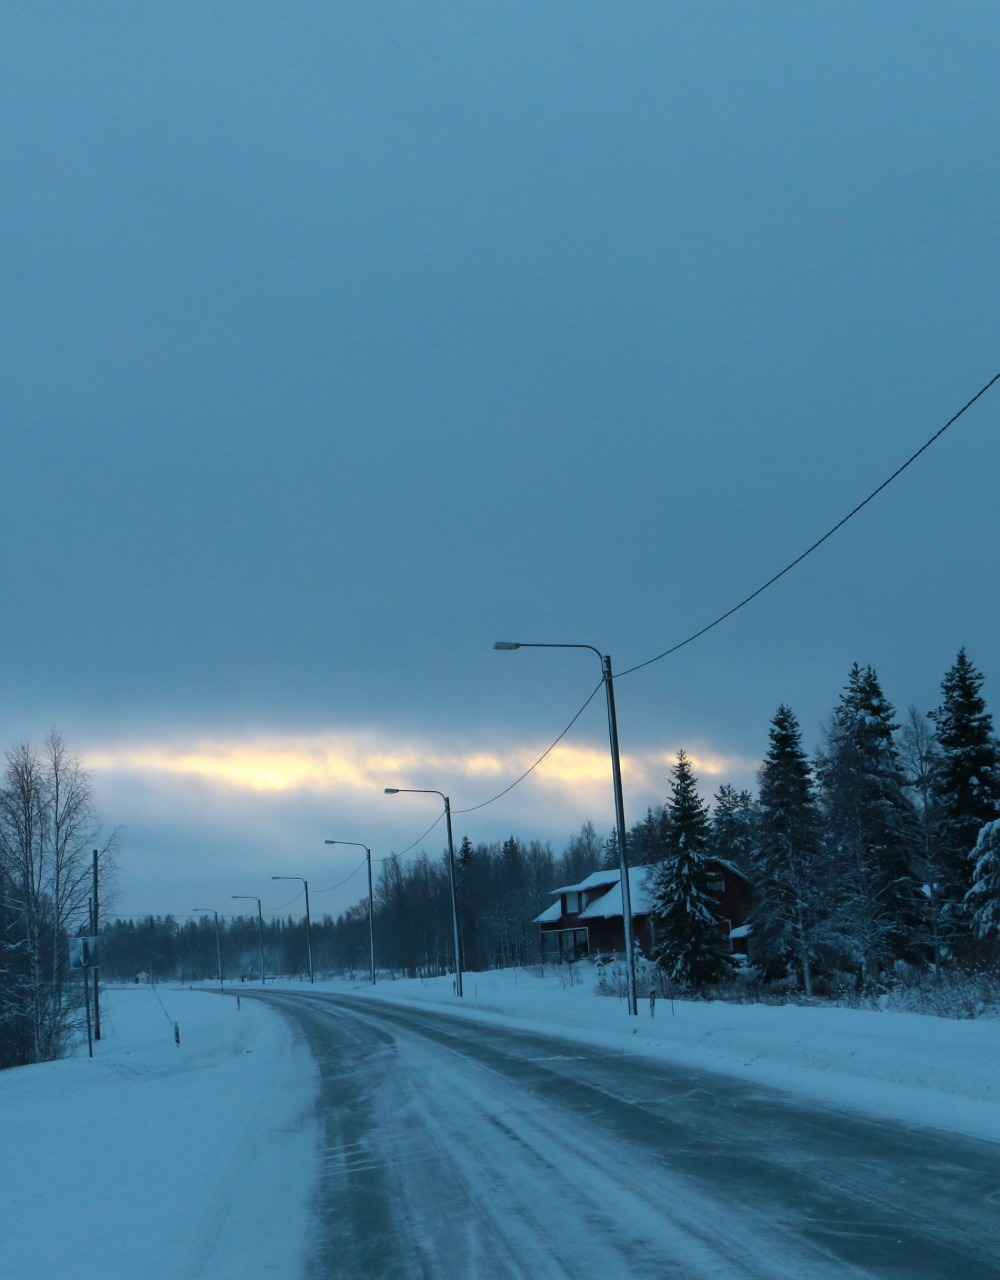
{"x":97,"y":999}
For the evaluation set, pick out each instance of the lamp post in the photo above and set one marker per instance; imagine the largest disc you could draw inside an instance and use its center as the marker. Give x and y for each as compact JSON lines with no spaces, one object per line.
{"x":422,"y":791}
{"x":616,"y":777}
{"x":371,"y":921}
{"x":309,"y":945}
{"x":260,"y":929}
{"x":210,"y":911}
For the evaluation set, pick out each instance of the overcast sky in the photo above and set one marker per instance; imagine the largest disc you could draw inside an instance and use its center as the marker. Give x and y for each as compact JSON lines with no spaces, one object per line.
{"x":339,"y":341}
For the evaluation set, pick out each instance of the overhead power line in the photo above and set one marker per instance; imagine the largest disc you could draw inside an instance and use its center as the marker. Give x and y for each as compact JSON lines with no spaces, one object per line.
{"x":696,"y":635}
{"x":329,"y":888}
{"x":288,"y":901}
{"x":413,"y":844}
{"x":531,"y":768}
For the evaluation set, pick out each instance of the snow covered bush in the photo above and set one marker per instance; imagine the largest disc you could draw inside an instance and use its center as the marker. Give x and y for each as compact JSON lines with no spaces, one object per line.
{"x":949,"y":993}
{"x":983,"y":898}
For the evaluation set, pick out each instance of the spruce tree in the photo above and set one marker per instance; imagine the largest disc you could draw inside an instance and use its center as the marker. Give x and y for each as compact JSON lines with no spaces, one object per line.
{"x":869,"y":826}
{"x":921,"y":761}
{"x":734,"y":827}
{"x":692,"y":949}
{"x":687,"y":813}
{"x":967,"y":780}
{"x":790,"y":888}
{"x":610,"y":860}
{"x":645,"y":840}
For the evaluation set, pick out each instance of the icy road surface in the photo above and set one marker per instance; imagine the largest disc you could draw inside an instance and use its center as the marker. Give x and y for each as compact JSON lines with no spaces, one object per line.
{"x":457,"y":1149}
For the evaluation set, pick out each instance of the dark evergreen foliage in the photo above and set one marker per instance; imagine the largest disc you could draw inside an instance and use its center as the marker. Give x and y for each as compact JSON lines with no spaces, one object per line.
{"x":869,"y":826}
{"x":692,"y":945}
{"x":734,"y":827}
{"x":791,"y":881}
{"x":967,"y":781}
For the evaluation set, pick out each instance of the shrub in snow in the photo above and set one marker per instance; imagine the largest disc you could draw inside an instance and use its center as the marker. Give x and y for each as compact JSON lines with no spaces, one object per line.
{"x":948,"y":993}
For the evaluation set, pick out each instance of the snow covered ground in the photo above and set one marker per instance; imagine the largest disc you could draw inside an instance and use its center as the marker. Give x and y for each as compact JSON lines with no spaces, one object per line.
{"x":903,"y":1066}
{"x":158,"y":1161}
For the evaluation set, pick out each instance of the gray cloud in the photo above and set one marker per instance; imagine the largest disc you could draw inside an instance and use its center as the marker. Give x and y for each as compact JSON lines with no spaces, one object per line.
{"x":336,"y":348}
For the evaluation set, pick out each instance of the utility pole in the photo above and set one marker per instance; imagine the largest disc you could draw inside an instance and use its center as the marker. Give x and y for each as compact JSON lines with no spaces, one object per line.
{"x":260,"y":939}
{"x":96,"y":925}
{"x":616,"y":774}
{"x":371,"y":919}
{"x":309,"y":945}
{"x":86,"y":992}
{"x":309,"y":941}
{"x":454,"y":900}
{"x":456,"y":942}
{"x":218,"y":940}
{"x":356,"y":844}
{"x":616,"y":769}
{"x":250,"y":897}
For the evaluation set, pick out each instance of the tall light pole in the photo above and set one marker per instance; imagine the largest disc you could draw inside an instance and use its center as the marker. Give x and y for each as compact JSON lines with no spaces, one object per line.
{"x":309,"y":945}
{"x":421,"y":791}
{"x":210,"y":911}
{"x":371,"y":919}
{"x":260,"y":929}
{"x":616,"y":778}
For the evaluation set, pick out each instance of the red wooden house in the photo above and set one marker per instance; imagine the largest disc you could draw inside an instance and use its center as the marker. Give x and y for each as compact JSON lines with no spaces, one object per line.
{"x":587,"y":918}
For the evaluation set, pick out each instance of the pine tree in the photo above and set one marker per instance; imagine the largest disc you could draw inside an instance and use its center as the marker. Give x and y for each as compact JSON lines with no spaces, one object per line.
{"x":790,"y":885}
{"x":967,"y":782}
{"x":692,"y":949}
{"x":869,"y":825}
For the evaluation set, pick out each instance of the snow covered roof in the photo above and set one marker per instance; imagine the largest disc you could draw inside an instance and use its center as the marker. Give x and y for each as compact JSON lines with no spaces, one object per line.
{"x":729,"y":866}
{"x":594,"y":881}
{"x":610,"y":904}
{"x":741,"y":931}
{"x":550,"y":915}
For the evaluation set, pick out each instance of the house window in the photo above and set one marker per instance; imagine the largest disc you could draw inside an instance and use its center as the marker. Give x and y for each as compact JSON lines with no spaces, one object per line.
{"x":572,"y":903}
{"x":567,"y":944}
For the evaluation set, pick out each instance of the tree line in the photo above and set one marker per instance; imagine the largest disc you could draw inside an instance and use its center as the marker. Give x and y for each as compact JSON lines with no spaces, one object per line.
{"x":883,"y":849}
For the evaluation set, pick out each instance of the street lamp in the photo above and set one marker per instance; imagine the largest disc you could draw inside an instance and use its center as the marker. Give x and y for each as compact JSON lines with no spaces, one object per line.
{"x":616,"y":777}
{"x":309,"y":945}
{"x":260,"y":929}
{"x":421,"y":791}
{"x":371,"y":925}
{"x":218,"y":940}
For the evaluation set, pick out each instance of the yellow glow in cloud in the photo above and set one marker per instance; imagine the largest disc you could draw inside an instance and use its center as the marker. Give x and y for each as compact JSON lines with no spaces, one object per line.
{"x":332,"y":762}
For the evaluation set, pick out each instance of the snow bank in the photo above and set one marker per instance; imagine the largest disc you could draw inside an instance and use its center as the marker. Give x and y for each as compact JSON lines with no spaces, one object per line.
{"x":902,"y":1066}
{"x":158,"y":1161}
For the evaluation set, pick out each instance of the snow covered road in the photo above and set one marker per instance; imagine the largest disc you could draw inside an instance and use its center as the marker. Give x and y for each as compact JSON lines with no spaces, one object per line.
{"x":454,"y":1148}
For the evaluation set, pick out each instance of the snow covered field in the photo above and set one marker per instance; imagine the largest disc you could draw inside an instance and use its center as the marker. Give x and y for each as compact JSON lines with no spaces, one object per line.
{"x":158,"y":1161}
{"x":902,"y":1066}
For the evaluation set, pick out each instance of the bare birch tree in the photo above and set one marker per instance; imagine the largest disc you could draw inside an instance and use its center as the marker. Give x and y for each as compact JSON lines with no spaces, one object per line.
{"x":48,"y":828}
